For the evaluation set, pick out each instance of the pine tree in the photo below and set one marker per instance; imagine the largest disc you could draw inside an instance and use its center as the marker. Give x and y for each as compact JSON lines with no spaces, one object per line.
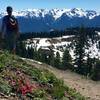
{"x":95,"y":75}
{"x":89,"y":65}
{"x":66,"y":60}
{"x":42,"y":56}
{"x":57,"y":61}
{"x":51,"y":58}
{"x":80,"y":44}
{"x":30,"y":52}
{"x":21,"y":49}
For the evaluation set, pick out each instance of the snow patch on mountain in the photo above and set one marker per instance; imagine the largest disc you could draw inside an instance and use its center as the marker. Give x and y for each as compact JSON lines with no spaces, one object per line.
{"x":56,"y":13}
{"x":43,"y":20}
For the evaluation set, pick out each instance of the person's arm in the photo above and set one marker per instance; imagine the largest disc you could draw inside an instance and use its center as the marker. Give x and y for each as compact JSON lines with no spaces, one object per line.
{"x":18,"y":34}
{"x":2,"y":28}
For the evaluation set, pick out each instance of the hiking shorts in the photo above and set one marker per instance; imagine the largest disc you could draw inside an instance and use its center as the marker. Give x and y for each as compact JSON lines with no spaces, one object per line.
{"x":10,"y":41}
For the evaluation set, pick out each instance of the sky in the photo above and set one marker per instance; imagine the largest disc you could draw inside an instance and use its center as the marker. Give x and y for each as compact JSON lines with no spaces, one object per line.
{"x":50,"y":4}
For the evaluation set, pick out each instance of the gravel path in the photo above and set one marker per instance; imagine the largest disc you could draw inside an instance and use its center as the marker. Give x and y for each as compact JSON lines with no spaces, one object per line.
{"x":86,"y":87}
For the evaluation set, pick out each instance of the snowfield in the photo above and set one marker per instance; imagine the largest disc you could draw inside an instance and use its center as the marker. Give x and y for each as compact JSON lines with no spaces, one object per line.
{"x":60,"y":43}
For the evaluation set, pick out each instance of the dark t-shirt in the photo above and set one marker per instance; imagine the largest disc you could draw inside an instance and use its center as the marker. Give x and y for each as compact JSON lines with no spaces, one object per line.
{"x":8,"y":29}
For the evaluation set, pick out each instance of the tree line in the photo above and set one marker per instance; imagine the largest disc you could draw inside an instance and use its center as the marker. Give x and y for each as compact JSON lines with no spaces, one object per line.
{"x":88,"y":67}
{"x":57,"y":33}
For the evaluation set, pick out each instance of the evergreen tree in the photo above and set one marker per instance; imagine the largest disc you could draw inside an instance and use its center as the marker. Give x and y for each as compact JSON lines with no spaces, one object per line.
{"x":52,"y":61}
{"x":66,"y":60}
{"x":89,"y":65}
{"x":57,"y":61}
{"x":42,"y":56}
{"x":95,"y":75}
{"x":30,"y":52}
{"x":21,"y":49}
{"x":80,"y":44}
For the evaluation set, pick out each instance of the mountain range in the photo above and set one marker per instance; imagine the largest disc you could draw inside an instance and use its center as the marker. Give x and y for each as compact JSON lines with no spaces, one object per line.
{"x":40,"y":20}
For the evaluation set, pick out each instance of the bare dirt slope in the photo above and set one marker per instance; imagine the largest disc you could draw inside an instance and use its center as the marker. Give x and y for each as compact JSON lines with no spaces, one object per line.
{"x":86,"y":87}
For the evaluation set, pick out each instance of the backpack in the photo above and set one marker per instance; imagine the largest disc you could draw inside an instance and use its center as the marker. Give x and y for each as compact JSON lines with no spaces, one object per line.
{"x":12,"y":24}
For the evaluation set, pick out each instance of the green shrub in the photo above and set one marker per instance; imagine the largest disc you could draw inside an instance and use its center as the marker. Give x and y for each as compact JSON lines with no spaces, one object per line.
{"x":5,"y":87}
{"x":74,"y":94}
{"x":58,"y":89}
{"x":40,"y":93}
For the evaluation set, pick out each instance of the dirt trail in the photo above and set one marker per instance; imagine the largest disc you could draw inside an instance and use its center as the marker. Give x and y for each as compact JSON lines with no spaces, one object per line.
{"x":86,"y":87}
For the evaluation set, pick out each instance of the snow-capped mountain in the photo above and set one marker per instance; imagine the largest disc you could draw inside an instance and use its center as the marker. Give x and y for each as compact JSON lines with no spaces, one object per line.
{"x":36,"y":20}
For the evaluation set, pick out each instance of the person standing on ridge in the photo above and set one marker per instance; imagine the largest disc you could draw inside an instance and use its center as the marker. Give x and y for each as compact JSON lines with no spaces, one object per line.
{"x":10,"y":30}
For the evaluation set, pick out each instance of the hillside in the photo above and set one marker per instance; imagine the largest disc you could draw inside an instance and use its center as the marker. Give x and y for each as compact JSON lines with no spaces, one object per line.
{"x":87,"y":87}
{"x":22,"y":79}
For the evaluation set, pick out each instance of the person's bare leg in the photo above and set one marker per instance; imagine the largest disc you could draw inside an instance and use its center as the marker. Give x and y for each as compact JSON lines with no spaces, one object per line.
{"x":14,"y":51}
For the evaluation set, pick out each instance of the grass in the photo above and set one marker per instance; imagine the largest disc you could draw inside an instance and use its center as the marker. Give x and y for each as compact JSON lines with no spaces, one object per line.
{"x":16,"y":75}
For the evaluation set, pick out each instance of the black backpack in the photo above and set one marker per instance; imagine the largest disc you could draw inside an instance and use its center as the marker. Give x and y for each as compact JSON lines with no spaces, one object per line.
{"x":12,"y":23}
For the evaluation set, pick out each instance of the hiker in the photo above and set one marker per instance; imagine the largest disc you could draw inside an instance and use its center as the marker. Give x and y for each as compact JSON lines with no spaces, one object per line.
{"x":10,"y":30}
